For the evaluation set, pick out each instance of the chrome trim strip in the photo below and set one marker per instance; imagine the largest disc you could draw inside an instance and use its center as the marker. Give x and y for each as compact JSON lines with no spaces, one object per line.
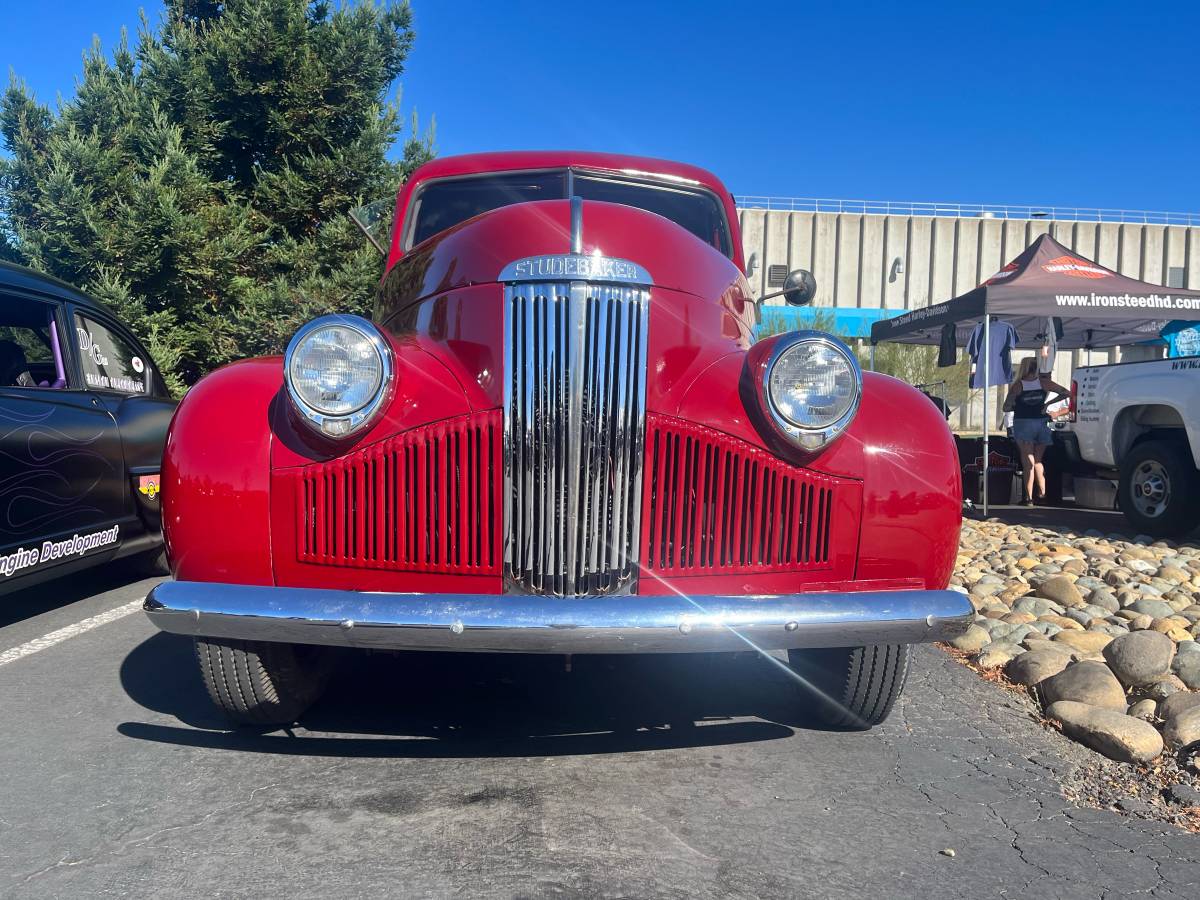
{"x":536,"y":624}
{"x":576,"y":224}
{"x":571,"y":266}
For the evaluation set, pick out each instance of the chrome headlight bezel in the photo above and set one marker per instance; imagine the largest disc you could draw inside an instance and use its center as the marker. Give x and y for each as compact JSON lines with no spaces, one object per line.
{"x":331,"y":426}
{"x":809,"y":439}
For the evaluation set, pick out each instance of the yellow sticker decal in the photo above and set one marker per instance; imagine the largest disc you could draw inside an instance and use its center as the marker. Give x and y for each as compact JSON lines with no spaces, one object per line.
{"x":148,"y":485}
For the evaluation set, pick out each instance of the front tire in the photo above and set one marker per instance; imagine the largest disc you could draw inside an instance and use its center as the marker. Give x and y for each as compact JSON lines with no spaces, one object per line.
{"x":852,"y":687}
{"x":262,"y":682}
{"x":1157,"y":489}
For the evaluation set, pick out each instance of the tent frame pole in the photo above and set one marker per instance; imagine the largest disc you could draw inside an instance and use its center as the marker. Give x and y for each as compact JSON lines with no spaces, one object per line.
{"x":987,"y":381}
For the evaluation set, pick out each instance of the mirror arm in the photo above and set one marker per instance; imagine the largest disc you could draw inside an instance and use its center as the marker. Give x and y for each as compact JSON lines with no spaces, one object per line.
{"x":771,"y":296}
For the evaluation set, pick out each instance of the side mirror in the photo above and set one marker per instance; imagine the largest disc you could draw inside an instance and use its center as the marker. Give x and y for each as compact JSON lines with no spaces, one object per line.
{"x":799,"y":289}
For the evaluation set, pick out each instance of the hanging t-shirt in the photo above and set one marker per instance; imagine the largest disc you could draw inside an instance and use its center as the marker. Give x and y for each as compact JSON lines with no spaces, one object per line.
{"x":1054,"y":331}
{"x":1183,"y":338}
{"x":1003,"y":340}
{"x":948,"y":346}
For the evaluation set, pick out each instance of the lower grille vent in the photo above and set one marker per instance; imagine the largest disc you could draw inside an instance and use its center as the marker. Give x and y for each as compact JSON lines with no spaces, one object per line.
{"x":422,"y":501}
{"x":718,"y":505}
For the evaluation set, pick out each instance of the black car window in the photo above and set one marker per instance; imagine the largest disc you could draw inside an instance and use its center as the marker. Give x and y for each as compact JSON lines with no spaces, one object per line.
{"x":697,"y":211}
{"x":443,"y":204}
{"x":29,"y":353}
{"x":110,"y":361}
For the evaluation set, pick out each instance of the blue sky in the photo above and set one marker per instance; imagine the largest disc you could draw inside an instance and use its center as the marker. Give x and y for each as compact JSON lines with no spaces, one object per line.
{"x":1068,"y":104}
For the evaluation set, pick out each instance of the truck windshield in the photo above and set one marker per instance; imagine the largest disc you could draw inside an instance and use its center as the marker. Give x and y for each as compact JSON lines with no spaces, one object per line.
{"x":444,"y":203}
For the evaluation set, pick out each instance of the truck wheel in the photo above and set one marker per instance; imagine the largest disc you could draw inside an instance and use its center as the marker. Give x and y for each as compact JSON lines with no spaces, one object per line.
{"x":1157,"y":489}
{"x":261,"y":682}
{"x":852,"y":687}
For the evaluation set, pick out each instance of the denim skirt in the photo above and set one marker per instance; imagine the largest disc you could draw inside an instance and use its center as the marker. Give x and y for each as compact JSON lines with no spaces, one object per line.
{"x":1032,"y":431}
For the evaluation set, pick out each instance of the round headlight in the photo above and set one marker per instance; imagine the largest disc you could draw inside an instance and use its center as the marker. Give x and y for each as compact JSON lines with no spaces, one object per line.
{"x":813,"y":385}
{"x":337,"y":370}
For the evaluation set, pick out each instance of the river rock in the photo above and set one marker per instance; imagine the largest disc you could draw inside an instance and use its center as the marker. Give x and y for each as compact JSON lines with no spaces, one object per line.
{"x":1144,"y":710}
{"x":1139,"y":656}
{"x":1187,"y":667}
{"x":1141,"y":622}
{"x":1092,"y":683}
{"x":1084,"y":641}
{"x":997,"y":654}
{"x":1183,"y":729}
{"x":1174,"y":574}
{"x":1160,"y":687}
{"x":1106,"y":600}
{"x":1013,"y":593}
{"x":1037,"y":665}
{"x":1112,"y":733}
{"x":1155,"y":608}
{"x":972,"y":640}
{"x":1061,"y":590}
{"x":1178,"y":703}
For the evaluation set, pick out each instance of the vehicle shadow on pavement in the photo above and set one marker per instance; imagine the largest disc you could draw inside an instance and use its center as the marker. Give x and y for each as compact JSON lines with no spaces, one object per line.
{"x":60,"y":592}
{"x":445,"y":705}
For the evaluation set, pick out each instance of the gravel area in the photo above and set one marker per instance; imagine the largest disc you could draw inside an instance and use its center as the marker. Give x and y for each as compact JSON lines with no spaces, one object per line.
{"x":1100,"y":632}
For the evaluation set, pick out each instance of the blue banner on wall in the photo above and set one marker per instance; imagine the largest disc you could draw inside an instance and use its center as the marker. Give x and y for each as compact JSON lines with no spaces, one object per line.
{"x":849,"y":322}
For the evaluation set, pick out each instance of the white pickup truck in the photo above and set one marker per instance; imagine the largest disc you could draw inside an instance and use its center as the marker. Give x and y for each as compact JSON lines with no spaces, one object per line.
{"x":1139,"y":424}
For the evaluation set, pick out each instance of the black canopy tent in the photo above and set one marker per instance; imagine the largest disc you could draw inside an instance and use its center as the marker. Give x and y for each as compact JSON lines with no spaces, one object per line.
{"x":1096,"y":306}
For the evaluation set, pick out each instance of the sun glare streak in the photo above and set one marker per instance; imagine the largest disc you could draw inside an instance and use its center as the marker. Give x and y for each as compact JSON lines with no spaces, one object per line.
{"x":766,"y":654}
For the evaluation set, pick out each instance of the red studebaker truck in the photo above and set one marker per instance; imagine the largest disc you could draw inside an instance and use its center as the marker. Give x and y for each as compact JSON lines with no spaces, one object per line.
{"x":558,"y":434}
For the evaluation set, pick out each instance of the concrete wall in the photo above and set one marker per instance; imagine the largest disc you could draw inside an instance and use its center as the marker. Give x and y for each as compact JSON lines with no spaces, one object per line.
{"x":853,"y":257}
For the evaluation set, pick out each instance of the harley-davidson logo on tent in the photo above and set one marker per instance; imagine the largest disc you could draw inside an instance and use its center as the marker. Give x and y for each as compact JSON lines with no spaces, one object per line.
{"x":1075,"y":267}
{"x":1006,"y":272}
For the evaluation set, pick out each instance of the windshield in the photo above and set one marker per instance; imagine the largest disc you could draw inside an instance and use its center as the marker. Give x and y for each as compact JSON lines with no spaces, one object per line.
{"x":446,"y":202}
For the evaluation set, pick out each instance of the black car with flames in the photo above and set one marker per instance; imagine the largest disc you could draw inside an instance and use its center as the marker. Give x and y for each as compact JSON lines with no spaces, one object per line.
{"x":83,"y":417}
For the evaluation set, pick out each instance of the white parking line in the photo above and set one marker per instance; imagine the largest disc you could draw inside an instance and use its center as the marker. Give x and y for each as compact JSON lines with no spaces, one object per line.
{"x":70,"y":631}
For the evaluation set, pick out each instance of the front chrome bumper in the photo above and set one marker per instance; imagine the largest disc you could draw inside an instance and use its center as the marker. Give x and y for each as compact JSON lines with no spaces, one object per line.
{"x":534,"y":624}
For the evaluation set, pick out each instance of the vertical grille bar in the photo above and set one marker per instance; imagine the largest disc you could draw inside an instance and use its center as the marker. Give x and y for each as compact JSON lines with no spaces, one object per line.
{"x":575,"y":363}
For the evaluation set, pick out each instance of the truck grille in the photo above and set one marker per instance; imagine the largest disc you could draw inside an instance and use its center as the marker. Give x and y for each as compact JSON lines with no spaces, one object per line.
{"x":575,"y":360}
{"x":718,"y":505}
{"x":421,"y":501}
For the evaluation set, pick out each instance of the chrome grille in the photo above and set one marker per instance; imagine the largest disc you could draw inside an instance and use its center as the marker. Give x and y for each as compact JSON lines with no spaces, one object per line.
{"x":575,"y":363}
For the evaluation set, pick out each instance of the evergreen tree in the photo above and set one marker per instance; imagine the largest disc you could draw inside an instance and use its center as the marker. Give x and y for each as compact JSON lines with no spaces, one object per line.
{"x":201,"y":182}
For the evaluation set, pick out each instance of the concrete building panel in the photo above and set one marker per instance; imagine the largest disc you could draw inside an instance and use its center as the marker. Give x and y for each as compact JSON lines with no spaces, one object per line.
{"x":895,"y":247}
{"x":1152,"y":251}
{"x":872,"y":264}
{"x":1109,"y":246}
{"x":966,"y":256}
{"x":824,"y":268}
{"x":800,"y":240}
{"x":847,"y":261}
{"x":991,"y":257}
{"x":941,"y":259}
{"x":916,"y":264}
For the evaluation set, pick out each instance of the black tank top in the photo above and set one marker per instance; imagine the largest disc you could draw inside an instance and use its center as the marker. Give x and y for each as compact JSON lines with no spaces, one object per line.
{"x":1031,"y":402}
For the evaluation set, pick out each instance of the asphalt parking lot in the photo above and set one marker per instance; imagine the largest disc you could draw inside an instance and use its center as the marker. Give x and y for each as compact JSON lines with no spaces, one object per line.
{"x":509,"y":776}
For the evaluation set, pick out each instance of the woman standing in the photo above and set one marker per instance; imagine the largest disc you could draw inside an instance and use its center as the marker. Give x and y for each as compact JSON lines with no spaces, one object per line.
{"x":1028,"y":397}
